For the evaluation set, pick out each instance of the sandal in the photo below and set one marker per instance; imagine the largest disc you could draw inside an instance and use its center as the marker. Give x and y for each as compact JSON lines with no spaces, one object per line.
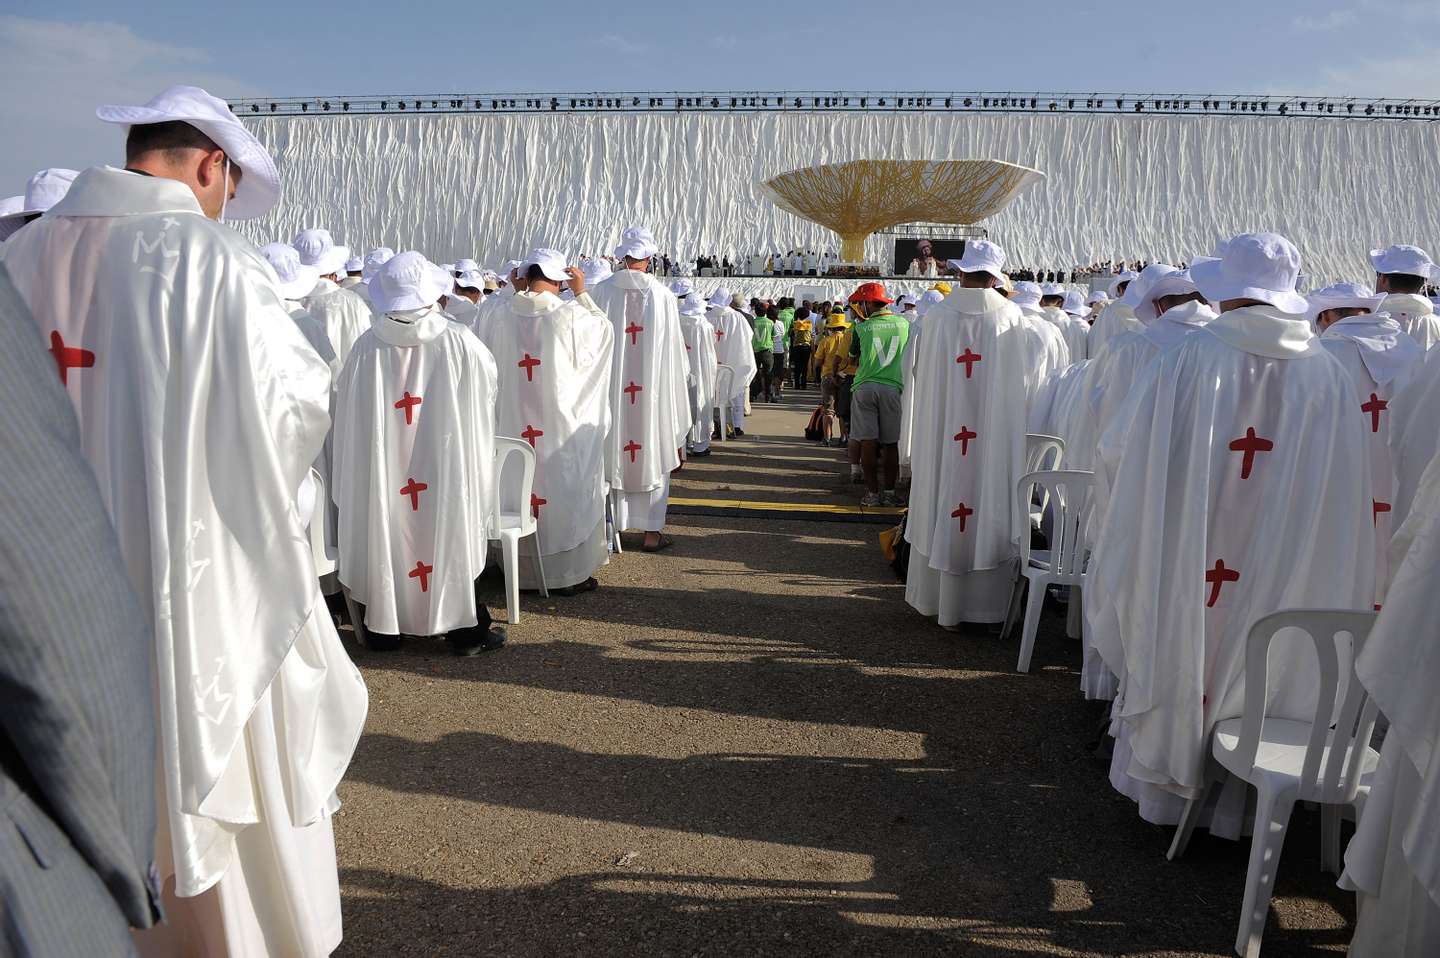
{"x":664,"y":543}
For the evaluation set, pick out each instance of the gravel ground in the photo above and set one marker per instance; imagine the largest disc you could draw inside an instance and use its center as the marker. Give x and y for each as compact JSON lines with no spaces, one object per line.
{"x":749,"y":745}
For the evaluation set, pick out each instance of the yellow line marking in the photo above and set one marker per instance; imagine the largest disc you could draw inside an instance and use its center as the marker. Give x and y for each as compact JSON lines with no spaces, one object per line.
{"x":786,"y":506}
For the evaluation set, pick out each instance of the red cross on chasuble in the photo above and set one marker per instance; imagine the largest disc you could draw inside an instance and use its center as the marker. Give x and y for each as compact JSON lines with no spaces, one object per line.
{"x":69,"y":357}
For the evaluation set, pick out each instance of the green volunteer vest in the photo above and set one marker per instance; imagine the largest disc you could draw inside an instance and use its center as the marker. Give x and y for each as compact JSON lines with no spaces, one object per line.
{"x":762,"y":336}
{"x":882,"y":340}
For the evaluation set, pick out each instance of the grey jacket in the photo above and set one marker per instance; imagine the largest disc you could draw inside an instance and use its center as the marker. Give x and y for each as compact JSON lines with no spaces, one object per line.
{"x":77,"y":716}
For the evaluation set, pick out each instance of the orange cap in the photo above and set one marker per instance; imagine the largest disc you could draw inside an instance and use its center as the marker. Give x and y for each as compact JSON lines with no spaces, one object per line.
{"x":870,"y":293}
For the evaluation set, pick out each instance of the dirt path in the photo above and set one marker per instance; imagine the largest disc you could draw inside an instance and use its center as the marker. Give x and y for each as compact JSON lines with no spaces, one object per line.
{"x":749,"y":745}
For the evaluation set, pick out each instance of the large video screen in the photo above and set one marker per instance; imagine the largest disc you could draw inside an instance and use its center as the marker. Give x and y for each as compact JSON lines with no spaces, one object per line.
{"x":907,"y":250}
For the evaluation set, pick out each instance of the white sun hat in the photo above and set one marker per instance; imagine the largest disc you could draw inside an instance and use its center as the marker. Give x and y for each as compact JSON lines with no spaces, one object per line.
{"x":1097,"y":298}
{"x":1052,"y":289}
{"x":904,"y":300}
{"x":1169,"y":281}
{"x":1406,"y":260}
{"x":466,"y":266}
{"x":354,"y":265}
{"x":595,"y":271}
{"x":318,"y":249}
{"x":295,"y":278}
{"x":470,"y":278}
{"x":721,"y":297}
{"x":981,"y":256}
{"x":1026,"y":294}
{"x":1261,"y":266}
{"x":682,"y":287}
{"x":551,"y":262}
{"x":259,"y":187}
{"x":408,"y":281}
{"x":1342,"y":296}
{"x":1135,"y":292}
{"x":375,"y":259}
{"x":1075,"y":304}
{"x":636,"y":243}
{"x":692,"y":305}
{"x":1125,"y":276}
{"x":42,"y":191}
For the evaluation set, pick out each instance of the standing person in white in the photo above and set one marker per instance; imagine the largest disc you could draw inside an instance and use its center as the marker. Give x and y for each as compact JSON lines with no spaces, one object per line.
{"x":732,"y":348}
{"x":414,"y":465}
{"x":344,"y":313}
{"x":1115,"y":318}
{"x":1401,"y":273}
{"x":553,"y":359}
{"x":1381,"y":358}
{"x":1241,"y":465}
{"x":700,"y":352}
{"x":651,"y":413}
{"x":967,"y":448}
{"x":201,"y":409}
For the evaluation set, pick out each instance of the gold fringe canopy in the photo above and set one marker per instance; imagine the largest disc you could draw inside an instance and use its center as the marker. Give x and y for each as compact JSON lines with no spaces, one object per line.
{"x":858,"y":197}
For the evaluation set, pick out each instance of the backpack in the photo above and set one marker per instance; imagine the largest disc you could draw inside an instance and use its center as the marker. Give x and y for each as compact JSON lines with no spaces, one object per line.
{"x":803,"y":332}
{"x":815,"y":428}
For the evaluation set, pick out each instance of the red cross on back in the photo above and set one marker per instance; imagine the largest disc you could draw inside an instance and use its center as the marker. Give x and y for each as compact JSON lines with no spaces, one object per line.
{"x":69,"y":357}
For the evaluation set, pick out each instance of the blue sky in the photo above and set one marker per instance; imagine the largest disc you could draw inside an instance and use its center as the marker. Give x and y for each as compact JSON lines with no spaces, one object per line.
{"x":59,"y":59}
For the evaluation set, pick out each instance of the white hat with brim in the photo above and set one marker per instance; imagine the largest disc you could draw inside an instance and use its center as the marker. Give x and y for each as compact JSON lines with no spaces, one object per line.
{"x":1342,"y":296}
{"x":981,"y":256}
{"x":470,"y":279}
{"x":636,"y":243}
{"x":259,"y":188}
{"x":375,"y":259}
{"x":354,"y":265}
{"x":721,"y":297}
{"x":1135,"y":292}
{"x":551,"y":262}
{"x":408,"y":281}
{"x":1259,"y":266}
{"x":296,"y":280}
{"x":318,"y":249}
{"x":1124,"y":277}
{"x":1150,"y":287}
{"x":1052,"y":289}
{"x":692,"y":305}
{"x":682,"y":287}
{"x":1404,"y":260}
{"x":1097,"y":298}
{"x":466,"y":266}
{"x":44,"y":190}
{"x":1075,"y":304}
{"x":1026,"y":294}
{"x":596,"y":271}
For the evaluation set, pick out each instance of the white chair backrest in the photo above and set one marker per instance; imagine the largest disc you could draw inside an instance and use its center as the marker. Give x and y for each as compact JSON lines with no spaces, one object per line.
{"x":1071,"y":496}
{"x":724,"y":381}
{"x":1353,"y":718}
{"x":1042,"y":452}
{"x":513,"y":486}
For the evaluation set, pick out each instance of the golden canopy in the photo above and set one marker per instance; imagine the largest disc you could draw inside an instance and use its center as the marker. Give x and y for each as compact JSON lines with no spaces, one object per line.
{"x":858,"y":197}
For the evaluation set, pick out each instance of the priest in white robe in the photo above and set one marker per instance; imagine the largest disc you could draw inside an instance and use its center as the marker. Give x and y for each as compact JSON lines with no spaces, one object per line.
{"x":344,"y":313}
{"x":554,"y":363}
{"x":414,"y":465}
{"x":1393,"y":862}
{"x":201,"y":408}
{"x":732,"y":349}
{"x":42,"y":191}
{"x":967,"y":449}
{"x":462,"y":303}
{"x":1381,"y":358}
{"x":1401,"y":273}
{"x":1117,"y":317}
{"x":295,"y":280}
{"x":1052,"y":305}
{"x":1414,"y":440}
{"x":700,"y":352}
{"x":1242,"y":468}
{"x":650,"y":409}
{"x":1046,"y":351}
{"x":354,"y":276}
{"x":1077,"y":333}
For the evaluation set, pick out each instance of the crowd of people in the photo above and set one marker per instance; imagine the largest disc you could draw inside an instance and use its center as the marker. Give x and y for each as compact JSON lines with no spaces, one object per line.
{"x":224,"y":412}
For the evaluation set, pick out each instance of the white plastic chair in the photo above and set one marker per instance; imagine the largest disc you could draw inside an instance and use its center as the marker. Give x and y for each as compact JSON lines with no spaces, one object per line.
{"x":1072,"y":497}
{"x":1043,"y":453}
{"x":322,"y":549}
{"x":1289,"y":760}
{"x":724,"y":382}
{"x":512,"y":519}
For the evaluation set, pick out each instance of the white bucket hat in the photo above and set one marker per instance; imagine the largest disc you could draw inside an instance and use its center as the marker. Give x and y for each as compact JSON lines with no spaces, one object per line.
{"x":1075,"y":304}
{"x":466,"y":266}
{"x":981,"y":256}
{"x":375,"y":259}
{"x":1262,"y":266}
{"x":1098,"y":298}
{"x":1052,"y":289}
{"x":1342,"y":296}
{"x":682,"y":287}
{"x":408,"y":281}
{"x":318,"y":249}
{"x":636,"y":243}
{"x":1026,"y":294}
{"x":692,"y":305}
{"x":551,"y":262}
{"x":1407,"y":260}
{"x":1157,"y":280}
{"x":470,"y":278}
{"x":1125,"y":276}
{"x":595,"y":271}
{"x":43,"y":191}
{"x":721,"y":297}
{"x":259,"y":187}
{"x":354,"y":265}
{"x":905,"y":300}
{"x":295,"y":278}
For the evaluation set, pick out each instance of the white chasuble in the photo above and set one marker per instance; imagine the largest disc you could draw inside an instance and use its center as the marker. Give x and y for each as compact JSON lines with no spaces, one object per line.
{"x":651,"y":412}
{"x":553,"y":359}
{"x":1393,"y":861}
{"x":414,"y":472}
{"x":700,"y":356}
{"x":732,"y":348}
{"x":1416,"y":316}
{"x":967,"y":452}
{"x":344,"y":314}
{"x":1114,"y":319}
{"x":1242,"y":470}
{"x":201,"y":409}
{"x":1381,"y":359}
{"x":1414,"y":440}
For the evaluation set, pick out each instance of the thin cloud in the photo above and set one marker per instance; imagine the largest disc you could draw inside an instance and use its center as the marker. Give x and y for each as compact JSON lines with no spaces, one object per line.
{"x":622,"y":45}
{"x":55,"y":73}
{"x":1325,"y":22}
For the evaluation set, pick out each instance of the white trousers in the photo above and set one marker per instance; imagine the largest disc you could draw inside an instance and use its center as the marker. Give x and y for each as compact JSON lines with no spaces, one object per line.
{"x":645,"y":510}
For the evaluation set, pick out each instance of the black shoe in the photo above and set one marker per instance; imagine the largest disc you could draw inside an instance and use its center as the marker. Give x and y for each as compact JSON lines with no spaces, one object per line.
{"x":579,"y":588}
{"x":376,"y":642}
{"x":715,"y":436}
{"x":698,"y":453}
{"x":472,"y":644}
{"x":739,"y":431}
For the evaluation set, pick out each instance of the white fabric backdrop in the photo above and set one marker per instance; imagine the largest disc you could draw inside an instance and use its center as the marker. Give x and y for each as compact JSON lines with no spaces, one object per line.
{"x":1134,"y":186}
